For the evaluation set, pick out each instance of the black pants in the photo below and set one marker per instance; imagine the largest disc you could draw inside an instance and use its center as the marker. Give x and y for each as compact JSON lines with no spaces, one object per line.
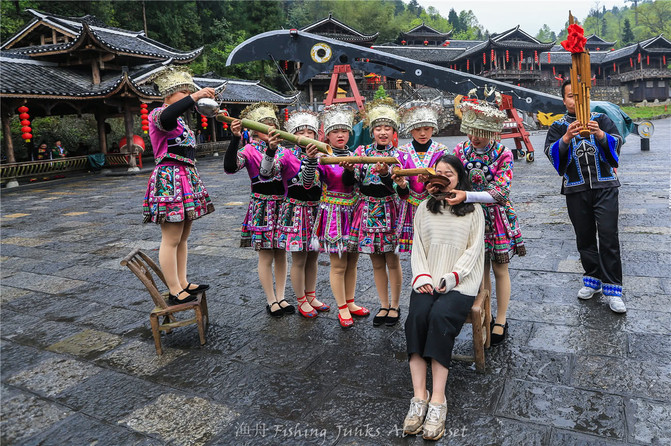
{"x":434,"y":320}
{"x":595,"y":212}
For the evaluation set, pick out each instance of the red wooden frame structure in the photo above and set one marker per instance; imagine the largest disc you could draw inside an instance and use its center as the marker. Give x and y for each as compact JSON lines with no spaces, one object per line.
{"x":514,"y":128}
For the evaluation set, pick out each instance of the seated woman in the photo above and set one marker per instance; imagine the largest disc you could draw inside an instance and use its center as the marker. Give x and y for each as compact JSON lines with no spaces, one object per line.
{"x":447,"y":264}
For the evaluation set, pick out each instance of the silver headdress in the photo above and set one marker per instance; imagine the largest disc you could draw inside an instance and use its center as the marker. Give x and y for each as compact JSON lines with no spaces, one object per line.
{"x":481,"y":118}
{"x":418,"y":114}
{"x":381,"y":112}
{"x":336,"y":117}
{"x":302,"y":119}
{"x":172,"y":79}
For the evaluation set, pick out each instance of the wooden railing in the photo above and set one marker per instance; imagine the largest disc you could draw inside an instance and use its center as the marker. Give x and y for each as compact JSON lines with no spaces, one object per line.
{"x":29,"y":169}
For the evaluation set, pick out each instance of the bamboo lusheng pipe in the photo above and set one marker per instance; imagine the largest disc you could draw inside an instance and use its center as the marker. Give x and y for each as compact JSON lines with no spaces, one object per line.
{"x":412,"y":172}
{"x":358,"y":159}
{"x":296,"y":139}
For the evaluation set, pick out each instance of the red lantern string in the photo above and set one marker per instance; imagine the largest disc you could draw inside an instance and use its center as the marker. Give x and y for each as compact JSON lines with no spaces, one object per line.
{"x":554,"y":73}
{"x":647,"y":59}
{"x":639,"y":57}
{"x":492,"y":55}
{"x":203,"y":121}
{"x":144,"y":113}
{"x":286,"y":114}
{"x":535,"y":56}
{"x":484,"y":58}
{"x":507,"y":56}
{"x":468,"y":64}
{"x":614,"y":67}
{"x":631,"y":62}
{"x":519,"y":65}
{"x":549,"y":57}
{"x":24,"y":117}
{"x":664,"y":59}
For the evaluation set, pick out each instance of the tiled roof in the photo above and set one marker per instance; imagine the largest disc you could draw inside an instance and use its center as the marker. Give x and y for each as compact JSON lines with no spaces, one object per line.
{"x":242,"y":91}
{"x":114,"y":39}
{"x":27,"y":77}
{"x":425,"y":30}
{"x":350,"y":34}
{"x":430,"y":54}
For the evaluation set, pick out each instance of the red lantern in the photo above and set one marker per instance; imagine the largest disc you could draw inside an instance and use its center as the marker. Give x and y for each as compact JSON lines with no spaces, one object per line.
{"x":426,"y":42}
{"x":631,"y":62}
{"x":468,"y":64}
{"x":519,"y":65}
{"x":203,"y":120}
{"x":225,"y":126}
{"x":144,"y":114}
{"x":549,"y":57}
{"x":286,"y":65}
{"x":484,"y":58}
{"x":286,"y":114}
{"x":521,"y":55}
{"x":639,"y":57}
{"x":24,"y":117}
{"x":597,"y":48}
{"x":447,"y":42}
{"x":492,"y":56}
{"x":507,"y":56}
{"x":599,"y":69}
{"x":403,"y":42}
{"x":647,"y":59}
{"x":614,"y":67}
{"x":664,"y":59}
{"x":554,"y":73}
{"x":535,"y":56}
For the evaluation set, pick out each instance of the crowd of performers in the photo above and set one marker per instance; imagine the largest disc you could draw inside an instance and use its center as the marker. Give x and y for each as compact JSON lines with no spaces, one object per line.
{"x":457,"y":224}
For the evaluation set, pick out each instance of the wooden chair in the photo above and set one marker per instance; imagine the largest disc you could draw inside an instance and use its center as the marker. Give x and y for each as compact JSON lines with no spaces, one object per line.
{"x":481,"y":313}
{"x":142,"y":266}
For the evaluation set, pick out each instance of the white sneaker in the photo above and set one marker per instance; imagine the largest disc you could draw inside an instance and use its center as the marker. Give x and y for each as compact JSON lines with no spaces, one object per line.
{"x":587,"y":292}
{"x":414,"y":420}
{"x":434,"y":424}
{"x":615,"y":303}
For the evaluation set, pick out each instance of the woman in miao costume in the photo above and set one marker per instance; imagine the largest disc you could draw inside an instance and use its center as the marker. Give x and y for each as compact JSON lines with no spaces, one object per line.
{"x":175,"y":193}
{"x":268,"y":190}
{"x":298,"y":211}
{"x":374,"y":219}
{"x":420,"y":120}
{"x":490,"y":168}
{"x":334,"y":216}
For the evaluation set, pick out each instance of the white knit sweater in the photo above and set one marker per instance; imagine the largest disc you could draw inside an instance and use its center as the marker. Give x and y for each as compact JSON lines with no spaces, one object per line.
{"x":448,"y":247}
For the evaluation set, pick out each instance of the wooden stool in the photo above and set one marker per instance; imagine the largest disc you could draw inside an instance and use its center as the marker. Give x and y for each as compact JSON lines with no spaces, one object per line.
{"x":481,"y":313}
{"x":142,"y":265}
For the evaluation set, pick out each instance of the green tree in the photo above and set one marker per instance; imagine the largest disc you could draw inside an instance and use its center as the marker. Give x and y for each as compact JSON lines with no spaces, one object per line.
{"x":545,"y":34}
{"x":627,"y":34}
{"x":453,"y":19}
{"x":380,"y":93}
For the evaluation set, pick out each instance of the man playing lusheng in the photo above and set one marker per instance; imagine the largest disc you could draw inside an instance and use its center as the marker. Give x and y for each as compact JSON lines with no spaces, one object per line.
{"x":589,"y":170}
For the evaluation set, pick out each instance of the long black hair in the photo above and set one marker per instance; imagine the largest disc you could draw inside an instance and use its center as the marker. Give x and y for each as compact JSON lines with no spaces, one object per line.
{"x":463,"y":183}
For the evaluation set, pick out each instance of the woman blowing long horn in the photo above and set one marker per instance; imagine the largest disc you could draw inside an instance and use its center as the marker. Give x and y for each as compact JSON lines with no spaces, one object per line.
{"x":268,"y":190}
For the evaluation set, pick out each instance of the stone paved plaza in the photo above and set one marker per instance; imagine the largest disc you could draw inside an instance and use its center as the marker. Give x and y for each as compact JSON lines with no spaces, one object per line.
{"x":79,"y":365}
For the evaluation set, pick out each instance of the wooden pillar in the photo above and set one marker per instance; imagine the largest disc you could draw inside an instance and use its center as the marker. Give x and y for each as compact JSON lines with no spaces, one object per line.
{"x":213,"y":130}
{"x":102,"y":135}
{"x":128,"y":121}
{"x":312,"y":94}
{"x":95,"y":72}
{"x":6,"y":130}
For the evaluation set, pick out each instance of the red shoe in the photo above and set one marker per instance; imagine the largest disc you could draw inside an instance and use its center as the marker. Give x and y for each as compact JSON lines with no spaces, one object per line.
{"x":308,"y":314}
{"x":362,"y":311}
{"x":311,"y":295}
{"x":345,"y":323}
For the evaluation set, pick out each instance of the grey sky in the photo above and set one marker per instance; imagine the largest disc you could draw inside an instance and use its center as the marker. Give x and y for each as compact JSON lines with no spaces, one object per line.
{"x":497,"y":16}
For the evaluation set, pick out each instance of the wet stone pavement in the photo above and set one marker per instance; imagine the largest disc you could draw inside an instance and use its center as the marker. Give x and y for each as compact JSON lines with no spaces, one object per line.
{"x":79,"y":365}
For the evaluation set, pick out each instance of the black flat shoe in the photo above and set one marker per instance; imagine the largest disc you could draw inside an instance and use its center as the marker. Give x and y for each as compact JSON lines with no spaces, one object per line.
{"x":289,"y":309}
{"x":379,"y":320}
{"x":274,"y":313}
{"x":393,"y":320}
{"x":198,"y":289}
{"x":174,"y":299}
{"x":499,"y":338}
